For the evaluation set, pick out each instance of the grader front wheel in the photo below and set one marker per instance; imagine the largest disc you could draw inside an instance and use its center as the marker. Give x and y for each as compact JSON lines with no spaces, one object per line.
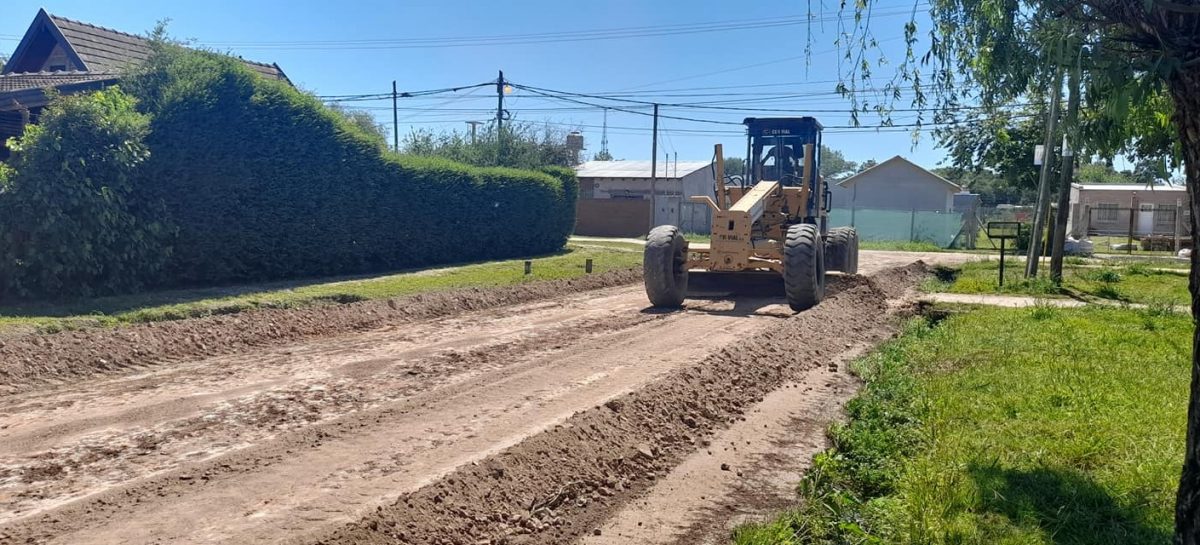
{"x":804,"y":267}
{"x":664,"y":266}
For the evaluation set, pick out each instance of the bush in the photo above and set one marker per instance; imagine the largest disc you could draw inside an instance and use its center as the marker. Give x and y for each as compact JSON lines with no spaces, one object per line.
{"x":72,"y":218}
{"x":265,"y":182}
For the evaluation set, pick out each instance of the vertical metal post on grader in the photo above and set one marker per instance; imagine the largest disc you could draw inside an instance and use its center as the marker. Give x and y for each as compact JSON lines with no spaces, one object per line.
{"x":771,"y":220}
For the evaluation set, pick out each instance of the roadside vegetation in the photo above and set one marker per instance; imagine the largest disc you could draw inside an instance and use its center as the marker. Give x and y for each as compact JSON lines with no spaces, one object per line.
{"x":191,"y":303}
{"x":107,"y":194}
{"x":1126,"y":281}
{"x":1020,"y":426}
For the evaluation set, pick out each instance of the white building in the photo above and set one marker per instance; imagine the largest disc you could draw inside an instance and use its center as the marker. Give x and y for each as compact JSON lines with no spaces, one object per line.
{"x":615,"y":196}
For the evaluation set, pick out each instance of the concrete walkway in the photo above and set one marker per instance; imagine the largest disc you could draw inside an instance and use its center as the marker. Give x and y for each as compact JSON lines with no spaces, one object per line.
{"x":1015,"y":301}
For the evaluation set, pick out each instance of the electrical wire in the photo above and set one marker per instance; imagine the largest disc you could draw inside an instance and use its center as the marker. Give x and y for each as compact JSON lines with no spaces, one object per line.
{"x":538,"y":38}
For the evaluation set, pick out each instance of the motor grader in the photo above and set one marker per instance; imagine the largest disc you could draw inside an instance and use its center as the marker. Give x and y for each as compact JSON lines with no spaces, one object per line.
{"x":773,"y":220}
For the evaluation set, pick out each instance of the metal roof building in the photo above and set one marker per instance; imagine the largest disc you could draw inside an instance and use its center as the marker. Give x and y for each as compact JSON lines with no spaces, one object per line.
{"x":615,"y":197}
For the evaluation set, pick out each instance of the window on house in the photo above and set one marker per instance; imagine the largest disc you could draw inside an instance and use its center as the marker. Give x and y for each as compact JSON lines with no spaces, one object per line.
{"x":58,"y":68}
{"x":1106,"y":211}
{"x":1164,"y":216}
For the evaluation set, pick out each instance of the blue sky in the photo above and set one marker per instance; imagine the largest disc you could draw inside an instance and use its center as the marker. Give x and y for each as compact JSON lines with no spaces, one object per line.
{"x":308,"y":39}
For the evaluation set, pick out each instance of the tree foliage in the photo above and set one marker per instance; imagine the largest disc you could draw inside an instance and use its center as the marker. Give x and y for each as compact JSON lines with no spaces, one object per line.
{"x":73,"y":218}
{"x":520,"y":145}
{"x":1140,"y":66}
{"x":366,"y":123}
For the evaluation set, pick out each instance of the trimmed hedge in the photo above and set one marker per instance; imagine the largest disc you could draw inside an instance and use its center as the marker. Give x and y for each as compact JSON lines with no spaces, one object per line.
{"x":245,"y":180}
{"x":265,"y":182}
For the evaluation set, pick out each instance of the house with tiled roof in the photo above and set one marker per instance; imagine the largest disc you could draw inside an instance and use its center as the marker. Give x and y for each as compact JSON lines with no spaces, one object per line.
{"x":70,"y":57}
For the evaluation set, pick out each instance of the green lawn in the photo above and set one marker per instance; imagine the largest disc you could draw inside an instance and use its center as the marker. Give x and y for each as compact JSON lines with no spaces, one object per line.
{"x":1124,"y":281}
{"x":1012,"y":426}
{"x":179,"y":304}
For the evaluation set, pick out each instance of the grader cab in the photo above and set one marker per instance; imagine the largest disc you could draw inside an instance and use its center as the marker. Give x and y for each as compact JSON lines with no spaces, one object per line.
{"x":771,"y":220}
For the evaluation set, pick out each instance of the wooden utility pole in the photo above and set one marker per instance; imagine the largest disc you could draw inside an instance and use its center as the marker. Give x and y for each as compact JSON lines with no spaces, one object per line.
{"x":1039,"y":218}
{"x":500,"y":102}
{"x":395,"y":118}
{"x":654,"y":169}
{"x":1059,"y":241}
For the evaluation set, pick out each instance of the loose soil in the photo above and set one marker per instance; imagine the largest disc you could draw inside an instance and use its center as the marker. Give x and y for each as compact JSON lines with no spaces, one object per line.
{"x":520,"y":415}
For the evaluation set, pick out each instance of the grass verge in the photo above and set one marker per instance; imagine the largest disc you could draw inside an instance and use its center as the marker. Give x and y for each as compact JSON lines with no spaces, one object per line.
{"x":1129,"y":282}
{"x":900,"y":246}
{"x":182,"y":304}
{"x":1017,"y":426}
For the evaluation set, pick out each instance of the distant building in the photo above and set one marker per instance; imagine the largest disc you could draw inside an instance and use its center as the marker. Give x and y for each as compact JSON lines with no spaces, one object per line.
{"x":1107,"y":209}
{"x":70,"y":57}
{"x":896,"y":184}
{"x":615,"y":200}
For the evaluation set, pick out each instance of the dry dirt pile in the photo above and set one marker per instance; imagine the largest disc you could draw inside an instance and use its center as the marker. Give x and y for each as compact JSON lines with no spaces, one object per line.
{"x":36,"y":359}
{"x":560,"y":484}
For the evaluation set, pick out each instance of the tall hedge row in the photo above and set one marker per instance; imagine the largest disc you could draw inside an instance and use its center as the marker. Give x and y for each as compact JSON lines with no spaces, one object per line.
{"x":259,"y":181}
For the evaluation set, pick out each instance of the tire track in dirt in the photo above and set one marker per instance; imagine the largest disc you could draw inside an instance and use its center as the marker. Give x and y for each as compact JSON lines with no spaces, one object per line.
{"x":560,"y":485}
{"x":31,"y":361}
{"x":319,"y":479}
{"x":50,"y":456}
{"x":594,"y":370}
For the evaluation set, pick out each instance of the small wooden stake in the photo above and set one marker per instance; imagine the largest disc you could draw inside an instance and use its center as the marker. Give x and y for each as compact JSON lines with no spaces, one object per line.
{"x":528,"y":267}
{"x":587,"y":266}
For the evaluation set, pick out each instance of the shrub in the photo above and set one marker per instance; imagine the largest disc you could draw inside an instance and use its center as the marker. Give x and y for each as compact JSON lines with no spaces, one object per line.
{"x":265,"y":182}
{"x":72,"y":221}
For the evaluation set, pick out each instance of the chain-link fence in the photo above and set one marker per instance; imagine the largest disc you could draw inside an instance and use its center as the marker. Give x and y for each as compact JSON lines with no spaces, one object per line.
{"x":936,"y":227}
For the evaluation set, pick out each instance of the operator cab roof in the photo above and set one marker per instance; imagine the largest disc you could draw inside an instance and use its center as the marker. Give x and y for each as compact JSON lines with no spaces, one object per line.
{"x":777,"y":125}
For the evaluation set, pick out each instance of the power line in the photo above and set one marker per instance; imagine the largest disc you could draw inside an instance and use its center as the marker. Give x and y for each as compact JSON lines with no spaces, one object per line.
{"x":542,"y":38}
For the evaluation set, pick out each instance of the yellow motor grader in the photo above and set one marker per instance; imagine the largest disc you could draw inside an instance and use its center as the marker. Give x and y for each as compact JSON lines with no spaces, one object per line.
{"x":772,"y":220}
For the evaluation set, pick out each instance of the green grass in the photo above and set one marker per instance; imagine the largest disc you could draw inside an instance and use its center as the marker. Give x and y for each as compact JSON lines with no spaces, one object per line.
{"x":900,"y":245}
{"x":1104,"y":245}
{"x":1131,"y":282}
{"x":181,"y":304}
{"x":1014,"y":426}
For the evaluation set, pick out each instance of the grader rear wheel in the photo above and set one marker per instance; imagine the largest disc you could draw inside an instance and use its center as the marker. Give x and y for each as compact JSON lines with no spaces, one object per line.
{"x":841,"y":250}
{"x":664,"y":266}
{"x":804,"y":267}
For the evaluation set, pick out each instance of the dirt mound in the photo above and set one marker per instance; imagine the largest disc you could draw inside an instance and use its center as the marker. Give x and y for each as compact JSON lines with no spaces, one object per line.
{"x":560,"y":484}
{"x":37,"y":359}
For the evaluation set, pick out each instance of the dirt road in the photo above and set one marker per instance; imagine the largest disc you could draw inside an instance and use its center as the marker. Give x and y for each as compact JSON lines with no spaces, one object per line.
{"x":422,"y":429}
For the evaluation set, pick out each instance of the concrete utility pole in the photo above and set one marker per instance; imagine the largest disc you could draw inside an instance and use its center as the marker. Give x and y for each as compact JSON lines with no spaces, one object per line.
{"x":1039,"y":218}
{"x":654,"y":169}
{"x":1070,"y":142}
{"x":474,"y":124}
{"x":395,"y":119}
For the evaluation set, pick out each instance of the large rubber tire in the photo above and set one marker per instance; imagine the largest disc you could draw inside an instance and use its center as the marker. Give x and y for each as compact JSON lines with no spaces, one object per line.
{"x":841,"y":250}
{"x":664,"y":267}
{"x":803,"y":267}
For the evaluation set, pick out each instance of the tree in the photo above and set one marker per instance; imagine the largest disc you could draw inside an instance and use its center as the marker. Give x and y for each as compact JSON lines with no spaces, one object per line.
{"x":834,"y":165}
{"x":72,"y":221}
{"x":602,"y":155}
{"x":869,"y":163}
{"x":522,"y":145}
{"x":1140,"y":64}
{"x":364,"y":121}
{"x":735,"y":166}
